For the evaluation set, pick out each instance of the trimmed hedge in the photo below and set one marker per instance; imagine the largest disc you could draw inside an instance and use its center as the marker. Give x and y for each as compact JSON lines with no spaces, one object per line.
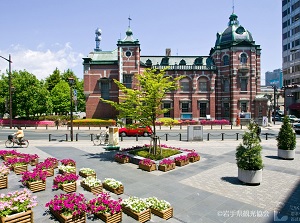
{"x":93,"y":122}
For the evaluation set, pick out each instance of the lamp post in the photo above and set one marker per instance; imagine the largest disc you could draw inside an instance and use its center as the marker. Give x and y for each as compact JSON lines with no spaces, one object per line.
{"x":71,"y":82}
{"x":274,"y":104}
{"x":9,"y":90}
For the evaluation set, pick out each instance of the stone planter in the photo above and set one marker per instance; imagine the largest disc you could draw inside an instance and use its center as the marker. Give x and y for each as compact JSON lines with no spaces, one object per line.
{"x":86,"y":175}
{"x":69,"y":187}
{"x":34,"y":162}
{"x":110,"y":218}
{"x":122,"y":160}
{"x":3,"y":182}
{"x":141,"y":217}
{"x":166,"y":168}
{"x":147,"y":168}
{"x":68,"y":219}
{"x":26,"y":216}
{"x":94,"y":190}
{"x":165,"y":214}
{"x":286,"y":154}
{"x":20,"y":169}
{"x":250,"y":177}
{"x":194,"y":159}
{"x":118,"y":191}
{"x":36,"y":186}
{"x":182,"y":162}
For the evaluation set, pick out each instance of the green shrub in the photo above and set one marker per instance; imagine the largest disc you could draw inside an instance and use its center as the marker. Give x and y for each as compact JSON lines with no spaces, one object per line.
{"x":93,"y":122}
{"x":286,"y":138}
{"x":144,"y":152}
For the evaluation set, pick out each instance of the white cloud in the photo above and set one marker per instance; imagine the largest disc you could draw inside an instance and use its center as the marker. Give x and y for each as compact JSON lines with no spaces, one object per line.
{"x":42,"y":62}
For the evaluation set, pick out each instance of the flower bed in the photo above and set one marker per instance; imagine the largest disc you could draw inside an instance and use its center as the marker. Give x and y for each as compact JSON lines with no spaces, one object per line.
{"x":35,"y":180}
{"x":147,"y":164}
{"x":92,"y":184}
{"x":161,"y":208}
{"x":64,"y":179}
{"x":68,"y":162}
{"x":181,"y":160}
{"x":53,"y":161}
{"x":166,"y":165}
{"x":113,"y":186}
{"x":193,"y":157}
{"x":66,"y":169}
{"x":136,"y":208}
{"x":122,"y":158}
{"x":86,"y":172}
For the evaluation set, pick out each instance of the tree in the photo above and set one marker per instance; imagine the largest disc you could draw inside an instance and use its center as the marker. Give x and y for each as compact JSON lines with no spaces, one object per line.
{"x":286,"y":138}
{"x":60,"y":96}
{"x":144,"y":104}
{"x":53,"y":80}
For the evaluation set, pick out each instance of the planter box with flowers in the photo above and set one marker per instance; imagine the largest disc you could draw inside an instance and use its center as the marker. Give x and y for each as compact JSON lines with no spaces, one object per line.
{"x":35,"y":180}
{"x":68,"y":162}
{"x":87,"y":172}
{"x":5,"y":154}
{"x":17,"y":164}
{"x":53,"y":161}
{"x":105,"y":208}
{"x":66,"y":169}
{"x":4,"y":171}
{"x":160,"y":208}
{"x":181,"y":160}
{"x":122,"y":158}
{"x":34,"y":159}
{"x":166,"y":165}
{"x":136,"y":208}
{"x":68,"y":208}
{"x":66,"y":182}
{"x":113,"y":185}
{"x":147,"y":164}
{"x":17,"y":206}
{"x":47,"y":166}
{"x":193,"y":157}
{"x":92,"y":184}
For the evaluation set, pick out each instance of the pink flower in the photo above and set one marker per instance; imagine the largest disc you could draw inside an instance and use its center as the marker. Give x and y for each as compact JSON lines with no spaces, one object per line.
{"x":181,"y":158}
{"x":192,"y":154}
{"x":63,"y":179}
{"x":104,"y":204}
{"x":68,"y":162}
{"x":166,"y":162}
{"x":147,"y":162}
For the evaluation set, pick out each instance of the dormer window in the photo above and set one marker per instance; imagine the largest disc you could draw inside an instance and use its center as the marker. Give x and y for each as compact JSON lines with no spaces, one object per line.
{"x":198,"y":61}
{"x":149,"y":62}
{"x":182,"y":62}
{"x":164,"y":61}
{"x":243,"y":58}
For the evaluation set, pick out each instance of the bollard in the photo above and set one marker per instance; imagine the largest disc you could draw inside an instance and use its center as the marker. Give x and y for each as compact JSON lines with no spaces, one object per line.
{"x":76,"y":137}
{"x":222,"y":136}
{"x":49,"y":137}
{"x":221,"y":126}
{"x":121,"y":138}
{"x":46,"y":126}
{"x":78,"y":127}
{"x":35,"y":126}
{"x":179,"y":136}
{"x":180,"y":126}
{"x":136,"y":137}
{"x":211,"y":126}
{"x":92,"y":137}
{"x":207,"y":136}
{"x":57,"y":127}
{"x":66,"y":137}
{"x":241,"y":126}
{"x":231,"y":126}
{"x":25,"y":126}
{"x":237,"y":136}
{"x":89,"y":127}
{"x":266,"y":136}
{"x":167,"y":137}
{"x":160,"y":127}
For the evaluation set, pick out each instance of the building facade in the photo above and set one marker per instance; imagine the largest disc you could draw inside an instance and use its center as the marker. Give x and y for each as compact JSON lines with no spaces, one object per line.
{"x":222,"y":85}
{"x":291,"y":55}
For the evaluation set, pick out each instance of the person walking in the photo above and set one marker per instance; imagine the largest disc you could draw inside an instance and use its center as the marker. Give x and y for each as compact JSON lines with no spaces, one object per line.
{"x":258,"y":131}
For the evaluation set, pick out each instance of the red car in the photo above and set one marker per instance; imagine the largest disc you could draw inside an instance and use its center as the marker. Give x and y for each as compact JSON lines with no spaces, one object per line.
{"x":133,"y":131}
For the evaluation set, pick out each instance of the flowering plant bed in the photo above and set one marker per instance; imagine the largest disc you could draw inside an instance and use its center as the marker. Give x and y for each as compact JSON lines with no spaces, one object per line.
{"x":17,"y":161}
{"x":3,"y":182}
{"x":64,"y":179}
{"x":105,"y":208}
{"x":161,"y":208}
{"x":17,"y":202}
{"x":36,"y":186}
{"x":66,"y":169}
{"x":136,"y":208}
{"x":193,"y":157}
{"x":68,"y":207}
{"x":122,"y":158}
{"x":113,"y":186}
{"x":166,"y":165}
{"x":19,"y":169}
{"x":68,"y":162}
{"x":53,"y":161}
{"x":86,"y":172}
{"x":26,"y":216}
{"x":33,"y":158}
{"x":35,"y":180}
{"x":5,"y":154}
{"x":181,"y":160}
{"x":92,"y":184}
{"x":4,"y":170}
{"x":147,"y":164}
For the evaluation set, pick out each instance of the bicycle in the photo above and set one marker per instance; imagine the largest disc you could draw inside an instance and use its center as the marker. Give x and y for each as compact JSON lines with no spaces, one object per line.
{"x":101,"y":138}
{"x":12,"y":140}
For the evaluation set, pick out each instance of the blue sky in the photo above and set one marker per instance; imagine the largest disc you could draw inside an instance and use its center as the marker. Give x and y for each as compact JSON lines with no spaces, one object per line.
{"x":43,"y":35}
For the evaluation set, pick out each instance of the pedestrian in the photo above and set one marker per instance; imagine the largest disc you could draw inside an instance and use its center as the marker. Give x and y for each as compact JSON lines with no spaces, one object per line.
{"x":258,"y":131}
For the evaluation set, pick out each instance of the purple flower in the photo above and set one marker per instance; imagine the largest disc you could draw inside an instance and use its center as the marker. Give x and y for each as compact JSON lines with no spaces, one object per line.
{"x":192,"y":154}
{"x":181,"y":158}
{"x":68,"y":162}
{"x":147,"y":162}
{"x":34,"y":175}
{"x":104,"y":204}
{"x":166,"y":162}
{"x":63,"y":179}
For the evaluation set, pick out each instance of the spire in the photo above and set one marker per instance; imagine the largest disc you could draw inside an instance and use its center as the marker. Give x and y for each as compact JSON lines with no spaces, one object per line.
{"x":129,"y":19}
{"x":98,"y":39}
{"x":232,"y":6}
{"x":233,"y":20}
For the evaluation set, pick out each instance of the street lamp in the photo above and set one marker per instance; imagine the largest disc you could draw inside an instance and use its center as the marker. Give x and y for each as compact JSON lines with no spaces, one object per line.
{"x":10,"y":90}
{"x":71,"y":82}
{"x":274,"y":104}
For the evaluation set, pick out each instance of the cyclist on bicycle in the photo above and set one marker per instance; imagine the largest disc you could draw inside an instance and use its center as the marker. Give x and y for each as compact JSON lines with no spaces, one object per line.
{"x":19,"y":134}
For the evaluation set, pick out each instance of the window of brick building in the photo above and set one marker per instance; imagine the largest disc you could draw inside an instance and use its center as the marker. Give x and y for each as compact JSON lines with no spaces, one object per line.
{"x":104,"y":85}
{"x":226,"y":60}
{"x":185,"y":106}
{"x":226,"y":85}
{"x":203,"y":84}
{"x":203,"y":109}
{"x":168,"y":106}
{"x":185,"y":84}
{"x":244,"y":106}
{"x":243,"y":58}
{"x":226,"y":110}
{"x":127,"y":80}
{"x":244,"y":84}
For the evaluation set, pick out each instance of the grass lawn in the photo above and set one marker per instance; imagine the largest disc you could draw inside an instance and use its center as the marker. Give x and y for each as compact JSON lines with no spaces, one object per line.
{"x":144,"y":152}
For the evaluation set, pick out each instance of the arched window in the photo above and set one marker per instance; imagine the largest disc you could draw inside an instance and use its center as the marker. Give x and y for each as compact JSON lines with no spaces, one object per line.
{"x":226,"y":60}
{"x":182,"y":62}
{"x":185,"y":84}
{"x":203,"y":84}
{"x":243,"y":58}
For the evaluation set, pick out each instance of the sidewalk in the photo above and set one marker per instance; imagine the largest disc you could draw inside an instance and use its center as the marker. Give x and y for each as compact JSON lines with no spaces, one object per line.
{"x":207,"y":191}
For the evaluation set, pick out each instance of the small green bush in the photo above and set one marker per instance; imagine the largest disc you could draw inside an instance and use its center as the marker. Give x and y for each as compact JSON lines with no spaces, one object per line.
{"x":93,"y":122}
{"x":286,"y":138}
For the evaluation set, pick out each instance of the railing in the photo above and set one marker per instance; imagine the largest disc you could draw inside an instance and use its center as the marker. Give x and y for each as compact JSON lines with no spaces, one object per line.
{"x":185,"y":67}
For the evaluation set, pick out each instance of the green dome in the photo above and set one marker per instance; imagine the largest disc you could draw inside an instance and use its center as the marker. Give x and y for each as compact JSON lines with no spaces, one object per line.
{"x":234,"y":33}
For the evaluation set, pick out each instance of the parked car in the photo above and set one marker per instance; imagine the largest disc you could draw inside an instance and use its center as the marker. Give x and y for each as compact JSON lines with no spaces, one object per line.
{"x":296,"y":128}
{"x":293,"y":118}
{"x":133,"y":131}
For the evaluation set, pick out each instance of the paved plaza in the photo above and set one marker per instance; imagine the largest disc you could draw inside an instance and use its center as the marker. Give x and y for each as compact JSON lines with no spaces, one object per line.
{"x":207,"y":191}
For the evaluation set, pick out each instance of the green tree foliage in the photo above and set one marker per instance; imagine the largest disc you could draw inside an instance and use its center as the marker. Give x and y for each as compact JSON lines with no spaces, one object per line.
{"x":4,"y":94}
{"x":53,"y":80}
{"x":248,"y":154}
{"x":60,"y":96}
{"x":286,"y":138}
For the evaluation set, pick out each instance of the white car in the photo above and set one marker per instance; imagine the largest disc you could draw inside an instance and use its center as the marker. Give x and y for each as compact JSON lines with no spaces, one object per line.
{"x":293,"y":118}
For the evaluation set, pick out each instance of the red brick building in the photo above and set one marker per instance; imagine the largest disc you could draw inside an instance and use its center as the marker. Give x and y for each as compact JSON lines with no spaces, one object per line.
{"x":223,"y":85}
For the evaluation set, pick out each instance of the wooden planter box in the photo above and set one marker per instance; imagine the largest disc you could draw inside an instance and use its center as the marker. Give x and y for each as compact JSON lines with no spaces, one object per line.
{"x":141,"y":217}
{"x":64,"y":172}
{"x":55,"y":165}
{"x":34,"y":162}
{"x":182,"y":162}
{"x":69,"y":187}
{"x":118,"y":191}
{"x":3,"y":182}
{"x":26,"y":216}
{"x":50,"y":172}
{"x":147,"y":168}
{"x":86,"y":175}
{"x":6,"y":157}
{"x":194,"y":159}
{"x":165,"y":214}
{"x":122,"y":160}
{"x":166,"y":168}
{"x":68,"y":219}
{"x":110,"y":218}
{"x":94,"y":190}
{"x":36,"y":186}
{"x":20,"y":169}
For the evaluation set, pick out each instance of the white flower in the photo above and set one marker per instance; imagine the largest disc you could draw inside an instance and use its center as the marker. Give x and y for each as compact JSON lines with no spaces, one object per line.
{"x":68,"y":169}
{"x":87,"y":171}
{"x":157,"y":204}
{"x":135,"y":204}
{"x":112,"y":183}
{"x":91,"y":181}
